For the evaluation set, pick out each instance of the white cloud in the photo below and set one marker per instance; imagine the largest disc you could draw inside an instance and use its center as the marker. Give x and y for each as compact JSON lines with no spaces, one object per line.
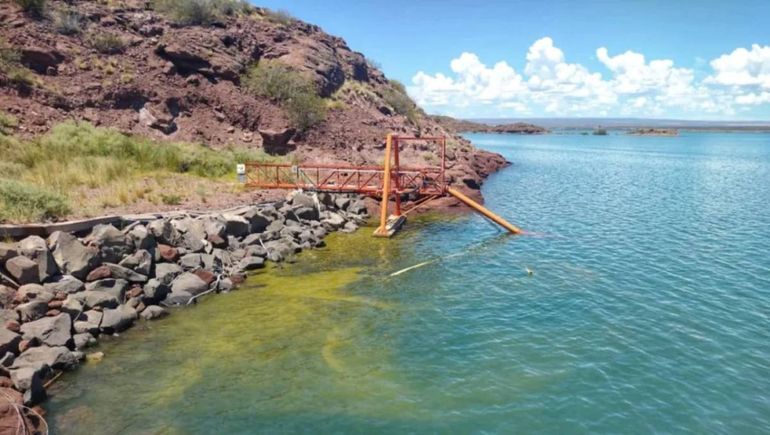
{"x":633,"y":86}
{"x":743,"y":67}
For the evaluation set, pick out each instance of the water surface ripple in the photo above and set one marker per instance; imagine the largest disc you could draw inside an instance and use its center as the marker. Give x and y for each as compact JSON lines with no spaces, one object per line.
{"x":647,"y":312}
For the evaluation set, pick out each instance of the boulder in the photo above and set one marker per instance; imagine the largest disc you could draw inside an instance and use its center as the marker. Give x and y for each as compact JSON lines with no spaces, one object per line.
{"x":118,"y":319}
{"x":32,"y":310}
{"x":30,"y":379}
{"x":83,"y":340}
{"x":205,"y":276}
{"x":7,"y":251}
{"x":357,"y":207}
{"x":140,"y":262}
{"x":92,"y":299}
{"x":306,"y":213}
{"x":100,"y":272}
{"x":155,"y":290}
{"x":7,"y":296}
{"x":65,"y":284}
{"x":72,"y":306}
{"x":142,"y":238}
{"x":191,"y":261}
{"x":164,"y":232}
{"x":349,"y":227}
{"x":303,"y":200}
{"x":89,"y":321}
{"x":168,"y":253}
{"x":123,"y":273}
{"x":166,"y":272}
{"x":342,"y":202}
{"x":189,"y":283}
{"x":278,"y":142}
{"x":236,"y":226}
{"x":71,"y":255}
{"x":153,"y":312}
{"x":9,"y":341}
{"x":177,"y":299}
{"x":111,"y":243}
{"x":23,"y":270}
{"x":251,"y":263}
{"x":52,"y":331}
{"x":8,"y":314}
{"x":6,"y":361}
{"x":40,"y":58}
{"x":57,"y":357}
{"x":114,"y":287}
{"x":34,"y":292}
{"x":255,"y":251}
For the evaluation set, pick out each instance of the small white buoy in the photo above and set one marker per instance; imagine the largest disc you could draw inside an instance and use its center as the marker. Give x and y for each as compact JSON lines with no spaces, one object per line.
{"x":530,"y":272}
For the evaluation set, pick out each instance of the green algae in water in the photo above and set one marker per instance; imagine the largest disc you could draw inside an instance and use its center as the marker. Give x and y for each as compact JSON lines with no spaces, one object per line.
{"x":296,"y":337}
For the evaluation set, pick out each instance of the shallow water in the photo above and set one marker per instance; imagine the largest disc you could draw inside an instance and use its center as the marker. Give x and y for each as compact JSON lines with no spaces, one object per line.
{"x":647,"y":311}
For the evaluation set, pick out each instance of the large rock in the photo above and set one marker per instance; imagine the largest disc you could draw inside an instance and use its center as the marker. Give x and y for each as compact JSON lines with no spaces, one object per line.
{"x":30,"y":379}
{"x":9,"y":341}
{"x":7,"y":251}
{"x":278,"y":142}
{"x":34,"y":292}
{"x":53,"y":331}
{"x":189,"y":283}
{"x":36,"y":249}
{"x":236,"y":226}
{"x":58,"y":357}
{"x":177,"y":299}
{"x":357,"y":207}
{"x":65,"y":284}
{"x":155,"y":291}
{"x":92,"y":299}
{"x":89,"y":321}
{"x":118,"y":319}
{"x":140,"y":262}
{"x":166,"y":272}
{"x":202,"y":53}
{"x":306,"y":213}
{"x":164,"y":232}
{"x":73,"y":306}
{"x":23,"y":270}
{"x":252,"y":263}
{"x":71,"y":255}
{"x":112,"y":244}
{"x":7,"y":295}
{"x":142,"y":238}
{"x":191,"y":261}
{"x":40,"y":58}
{"x":83,"y":340}
{"x":113,"y":287}
{"x":32,"y":310}
{"x":216,"y":230}
{"x":123,"y":273}
{"x":153,"y":312}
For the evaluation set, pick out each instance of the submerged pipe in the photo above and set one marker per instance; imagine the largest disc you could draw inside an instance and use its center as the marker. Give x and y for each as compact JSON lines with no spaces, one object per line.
{"x":485,"y":211}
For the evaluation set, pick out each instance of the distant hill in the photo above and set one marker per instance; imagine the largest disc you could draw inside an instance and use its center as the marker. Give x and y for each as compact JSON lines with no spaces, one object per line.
{"x":466,"y":126}
{"x":630,"y":123}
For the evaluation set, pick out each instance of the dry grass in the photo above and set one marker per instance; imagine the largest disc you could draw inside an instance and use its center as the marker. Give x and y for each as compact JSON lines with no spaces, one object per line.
{"x":92,"y":168}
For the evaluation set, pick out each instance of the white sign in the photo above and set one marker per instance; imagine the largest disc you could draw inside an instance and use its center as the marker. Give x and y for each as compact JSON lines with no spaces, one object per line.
{"x":240,"y":169}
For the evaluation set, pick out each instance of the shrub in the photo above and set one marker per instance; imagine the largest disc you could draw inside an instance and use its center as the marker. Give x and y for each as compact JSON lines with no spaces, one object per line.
{"x":35,"y":8}
{"x":25,"y":202}
{"x":200,"y":12}
{"x":171,"y":198}
{"x":396,"y":97}
{"x":280,"y":16}
{"x":107,"y":43}
{"x":7,"y":123}
{"x":68,"y":21}
{"x":294,"y":91}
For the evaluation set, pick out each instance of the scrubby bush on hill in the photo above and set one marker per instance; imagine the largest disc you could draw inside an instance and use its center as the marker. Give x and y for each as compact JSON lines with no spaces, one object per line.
{"x":68,"y":21}
{"x":21,"y":202}
{"x":11,"y":68}
{"x":281,"y":16}
{"x":7,"y":123}
{"x":107,"y":43}
{"x":200,"y":12}
{"x":35,"y":8}
{"x":294,"y":91}
{"x":397,"y":98}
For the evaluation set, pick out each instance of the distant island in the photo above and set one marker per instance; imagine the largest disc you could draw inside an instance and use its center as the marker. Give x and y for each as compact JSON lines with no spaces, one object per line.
{"x":464,"y":126}
{"x":654,"y":132}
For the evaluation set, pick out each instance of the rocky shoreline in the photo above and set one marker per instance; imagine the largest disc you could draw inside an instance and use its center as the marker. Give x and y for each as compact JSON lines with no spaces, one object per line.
{"x":61,"y":293}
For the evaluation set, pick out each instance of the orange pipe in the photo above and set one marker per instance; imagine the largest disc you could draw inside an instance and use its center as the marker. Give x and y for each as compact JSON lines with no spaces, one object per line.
{"x":484,"y":211}
{"x":382,"y":230}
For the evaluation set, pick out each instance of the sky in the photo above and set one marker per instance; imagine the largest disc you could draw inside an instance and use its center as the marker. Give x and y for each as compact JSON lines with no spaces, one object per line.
{"x":683,"y":59}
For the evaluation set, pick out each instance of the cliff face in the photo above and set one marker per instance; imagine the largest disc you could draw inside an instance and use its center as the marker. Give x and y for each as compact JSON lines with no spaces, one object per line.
{"x":165,"y":80}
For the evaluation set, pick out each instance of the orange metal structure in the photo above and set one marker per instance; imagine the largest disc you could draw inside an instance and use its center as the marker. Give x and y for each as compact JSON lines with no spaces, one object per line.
{"x":390,"y":180}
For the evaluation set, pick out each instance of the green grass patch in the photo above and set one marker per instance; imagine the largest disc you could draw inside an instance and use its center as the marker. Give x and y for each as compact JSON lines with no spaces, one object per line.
{"x":397,"y":98}
{"x":201,"y":12}
{"x":23,"y":202}
{"x":77,"y":158}
{"x":107,"y":43}
{"x":295,"y":92}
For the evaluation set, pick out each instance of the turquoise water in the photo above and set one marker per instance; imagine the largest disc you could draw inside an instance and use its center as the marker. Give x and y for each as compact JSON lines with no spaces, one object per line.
{"x":647,"y":311}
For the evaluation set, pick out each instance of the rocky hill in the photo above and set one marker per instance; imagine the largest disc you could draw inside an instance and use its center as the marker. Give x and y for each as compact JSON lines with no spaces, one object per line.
{"x":464,"y":126}
{"x":161,"y":71}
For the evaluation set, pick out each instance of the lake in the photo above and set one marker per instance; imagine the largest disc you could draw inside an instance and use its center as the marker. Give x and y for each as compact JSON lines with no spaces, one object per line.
{"x":647,"y":310}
